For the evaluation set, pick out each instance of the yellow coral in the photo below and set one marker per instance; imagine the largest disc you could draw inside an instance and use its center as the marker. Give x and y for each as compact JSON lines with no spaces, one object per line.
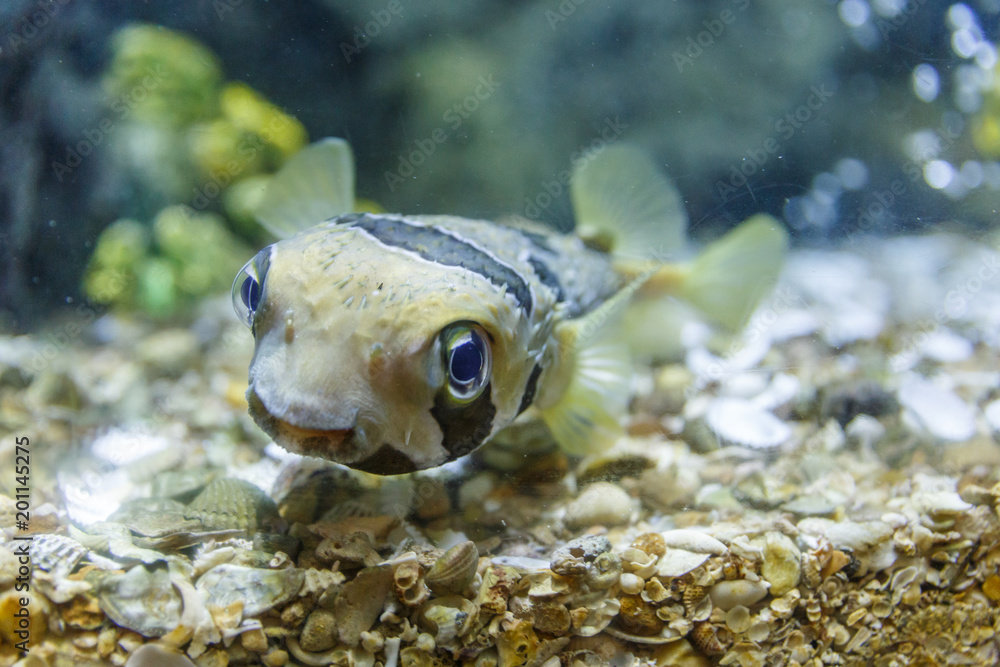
{"x":248,"y":111}
{"x":251,"y":137}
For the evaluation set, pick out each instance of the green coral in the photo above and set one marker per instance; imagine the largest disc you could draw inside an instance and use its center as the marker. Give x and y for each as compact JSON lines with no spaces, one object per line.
{"x":252,"y":136}
{"x":186,"y":135}
{"x":189,"y":255}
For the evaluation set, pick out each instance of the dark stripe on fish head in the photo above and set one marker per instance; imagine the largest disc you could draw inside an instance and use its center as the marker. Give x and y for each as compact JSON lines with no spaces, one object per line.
{"x":530,"y":389}
{"x":441,"y":247}
{"x":547,"y":277}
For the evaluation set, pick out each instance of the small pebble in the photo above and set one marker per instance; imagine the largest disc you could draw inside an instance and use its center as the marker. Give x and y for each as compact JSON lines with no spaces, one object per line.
{"x":600,"y":504}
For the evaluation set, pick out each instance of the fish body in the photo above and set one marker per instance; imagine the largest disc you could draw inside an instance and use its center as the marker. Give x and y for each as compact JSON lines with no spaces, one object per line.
{"x":393,"y":343}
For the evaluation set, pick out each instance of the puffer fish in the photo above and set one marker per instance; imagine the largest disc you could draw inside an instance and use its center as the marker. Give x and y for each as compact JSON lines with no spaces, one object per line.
{"x":394,"y":343}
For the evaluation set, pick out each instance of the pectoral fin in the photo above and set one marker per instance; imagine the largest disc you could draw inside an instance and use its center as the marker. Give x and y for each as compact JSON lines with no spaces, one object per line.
{"x":589,"y":397}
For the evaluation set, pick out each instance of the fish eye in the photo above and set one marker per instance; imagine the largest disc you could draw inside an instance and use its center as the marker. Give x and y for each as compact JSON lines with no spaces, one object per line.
{"x":248,"y":287}
{"x":468,"y":360}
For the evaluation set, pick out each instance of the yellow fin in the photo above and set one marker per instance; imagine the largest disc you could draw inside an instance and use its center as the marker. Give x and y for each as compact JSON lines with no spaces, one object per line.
{"x":728,"y":278}
{"x":624,"y":204}
{"x":317,"y":183}
{"x":595,"y":379}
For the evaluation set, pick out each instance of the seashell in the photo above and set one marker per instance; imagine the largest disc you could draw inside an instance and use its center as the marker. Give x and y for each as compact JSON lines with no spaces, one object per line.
{"x":652,"y":543}
{"x":694,"y":541}
{"x":639,"y":562}
{"x":678,"y":562}
{"x":316,"y":582}
{"x":574,"y":557}
{"x":588,"y":621}
{"x":665,"y":636}
{"x":727,"y":594}
{"x":521,"y":563}
{"x":57,"y":554}
{"x":631,"y":584}
{"x":545,"y":584}
{"x":738,"y":619}
{"x":655,"y":592}
{"x":785,"y":606}
{"x":992,"y":413}
{"x":141,"y":600}
{"x":782,"y":564}
{"x":742,"y":422}
{"x":352,"y":551}
{"x":409,"y":584}
{"x":447,"y":617}
{"x":230,"y":503}
{"x":496,"y":588}
{"x":319,"y":632}
{"x":31,"y":619}
{"x":256,"y":588}
{"x":710,"y":639}
{"x":454,"y":571}
{"x":361,"y":601}
{"x":693,"y":596}
{"x":157,"y":655}
{"x":603,"y":573}
{"x":348,"y":657}
{"x":517,"y":644}
{"x":638,"y":617}
{"x":600,"y":504}
{"x":938,"y":410}
{"x":550,"y":617}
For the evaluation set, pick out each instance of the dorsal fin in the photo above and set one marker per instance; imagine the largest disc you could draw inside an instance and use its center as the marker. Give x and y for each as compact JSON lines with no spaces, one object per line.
{"x":624,"y":204}
{"x":317,"y":183}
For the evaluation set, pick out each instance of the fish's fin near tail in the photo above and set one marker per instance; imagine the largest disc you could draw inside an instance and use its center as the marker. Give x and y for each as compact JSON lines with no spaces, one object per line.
{"x":596,"y":378}
{"x":625,"y":205}
{"x":727,"y":280}
{"x":317,"y":183}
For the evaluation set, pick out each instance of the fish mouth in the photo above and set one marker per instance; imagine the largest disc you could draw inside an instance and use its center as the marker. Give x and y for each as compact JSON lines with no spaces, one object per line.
{"x":339,"y":445}
{"x":323,"y":443}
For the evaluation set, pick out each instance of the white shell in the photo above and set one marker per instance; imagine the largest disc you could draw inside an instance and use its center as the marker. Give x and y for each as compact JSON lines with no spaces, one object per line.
{"x":940,"y":411}
{"x":992,"y":411}
{"x":741,"y":422}
{"x":678,"y":562}
{"x":694,"y":541}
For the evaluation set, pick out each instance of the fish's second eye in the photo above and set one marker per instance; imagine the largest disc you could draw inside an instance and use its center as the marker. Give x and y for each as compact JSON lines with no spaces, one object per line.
{"x":248,"y":287}
{"x":467,"y":359}
{"x":250,"y":293}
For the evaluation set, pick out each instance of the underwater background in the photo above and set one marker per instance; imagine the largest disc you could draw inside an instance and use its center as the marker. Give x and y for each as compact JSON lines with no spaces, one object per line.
{"x":840,"y":118}
{"x":821,"y":486}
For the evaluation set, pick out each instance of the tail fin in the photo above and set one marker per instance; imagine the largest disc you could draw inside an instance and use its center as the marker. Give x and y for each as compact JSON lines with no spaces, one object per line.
{"x":727,"y":279}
